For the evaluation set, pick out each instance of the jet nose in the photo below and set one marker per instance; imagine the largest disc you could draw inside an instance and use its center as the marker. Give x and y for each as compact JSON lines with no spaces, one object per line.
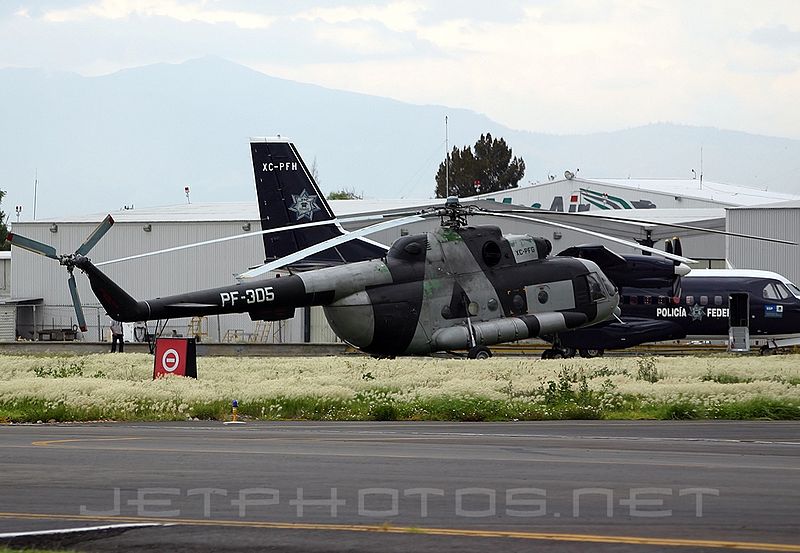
{"x":682,"y":269}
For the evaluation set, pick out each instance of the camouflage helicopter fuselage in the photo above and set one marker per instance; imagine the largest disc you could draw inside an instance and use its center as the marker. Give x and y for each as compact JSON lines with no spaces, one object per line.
{"x":453,"y":288}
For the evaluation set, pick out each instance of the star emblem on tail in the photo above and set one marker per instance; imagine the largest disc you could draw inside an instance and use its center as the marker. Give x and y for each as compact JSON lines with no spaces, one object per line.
{"x":305,"y":205}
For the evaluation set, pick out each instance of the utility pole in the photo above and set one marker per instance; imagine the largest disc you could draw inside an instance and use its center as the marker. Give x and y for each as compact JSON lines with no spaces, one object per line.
{"x":446,"y":161}
{"x":35,"y":186}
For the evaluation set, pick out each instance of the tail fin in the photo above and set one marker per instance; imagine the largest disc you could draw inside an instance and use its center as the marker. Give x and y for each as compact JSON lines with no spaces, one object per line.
{"x":287,"y":195}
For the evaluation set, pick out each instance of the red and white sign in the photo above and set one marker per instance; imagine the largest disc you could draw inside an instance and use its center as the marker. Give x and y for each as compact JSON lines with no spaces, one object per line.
{"x":175,"y":356}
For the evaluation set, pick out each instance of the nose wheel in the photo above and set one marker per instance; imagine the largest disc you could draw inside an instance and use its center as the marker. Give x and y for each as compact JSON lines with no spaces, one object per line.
{"x":479,"y":352}
{"x":558,"y":353}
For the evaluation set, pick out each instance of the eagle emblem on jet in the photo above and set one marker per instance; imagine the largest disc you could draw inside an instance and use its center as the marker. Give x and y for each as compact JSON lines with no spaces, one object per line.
{"x":305,"y":205}
{"x":697,"y":312}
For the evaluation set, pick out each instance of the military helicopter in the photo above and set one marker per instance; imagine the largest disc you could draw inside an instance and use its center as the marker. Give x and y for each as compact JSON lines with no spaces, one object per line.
{"x":459,"y":287}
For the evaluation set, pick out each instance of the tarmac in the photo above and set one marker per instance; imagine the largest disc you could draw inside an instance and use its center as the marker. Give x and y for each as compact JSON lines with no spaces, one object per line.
{"x":358,"y":486}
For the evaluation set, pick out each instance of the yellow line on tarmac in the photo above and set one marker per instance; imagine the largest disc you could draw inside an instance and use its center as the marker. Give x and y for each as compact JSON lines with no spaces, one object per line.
{"x":453,"y":532}
{"x":46,"y":443}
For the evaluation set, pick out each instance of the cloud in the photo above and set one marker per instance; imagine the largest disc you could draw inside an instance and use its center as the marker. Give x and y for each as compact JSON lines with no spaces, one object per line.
{"x":777,"y":36}
{"x":180,"y":11}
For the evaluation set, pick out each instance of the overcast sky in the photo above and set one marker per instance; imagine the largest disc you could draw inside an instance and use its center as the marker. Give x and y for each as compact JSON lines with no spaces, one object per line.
{"x":550,"y":66}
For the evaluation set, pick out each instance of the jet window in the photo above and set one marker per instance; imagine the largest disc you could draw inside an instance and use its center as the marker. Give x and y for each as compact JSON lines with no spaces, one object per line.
{"x":794,"y":289}
{"x":703,"y":300}
{"x":689,"y":300}
{"x":770,"y":292}
{"x":717,"y":300}
{"x":783,"y":293}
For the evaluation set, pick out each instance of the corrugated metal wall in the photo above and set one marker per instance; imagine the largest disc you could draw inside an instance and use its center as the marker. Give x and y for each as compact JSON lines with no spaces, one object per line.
{"x":8,"y":323}
{"x":752,"y":254}
{"x":5,"y":278}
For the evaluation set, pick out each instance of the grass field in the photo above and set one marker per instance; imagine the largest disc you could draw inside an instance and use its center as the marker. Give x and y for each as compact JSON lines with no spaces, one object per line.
{"x":119,"y":387}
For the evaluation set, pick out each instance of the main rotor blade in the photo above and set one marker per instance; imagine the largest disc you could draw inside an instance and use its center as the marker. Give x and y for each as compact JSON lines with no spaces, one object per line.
{"x":76,"y":302}
{"x":638,"y":221}
{"x":311,"y":250}
{"x":238,"y":236}
{"x":95,"y":236}
{"x":32,"y":245}
{"x":592,"y":233}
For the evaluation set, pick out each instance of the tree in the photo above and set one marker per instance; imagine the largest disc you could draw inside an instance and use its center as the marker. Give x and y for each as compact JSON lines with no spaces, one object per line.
{"x":345,"y":195}
{"x":489,"y":169}
{"x":4,"y":245}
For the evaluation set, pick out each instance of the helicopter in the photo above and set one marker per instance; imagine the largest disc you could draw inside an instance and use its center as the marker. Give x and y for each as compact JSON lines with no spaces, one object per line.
{"x":458,"y":287}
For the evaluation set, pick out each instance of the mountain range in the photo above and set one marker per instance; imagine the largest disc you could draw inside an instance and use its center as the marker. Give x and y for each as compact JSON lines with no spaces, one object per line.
{"x":139,"y":136}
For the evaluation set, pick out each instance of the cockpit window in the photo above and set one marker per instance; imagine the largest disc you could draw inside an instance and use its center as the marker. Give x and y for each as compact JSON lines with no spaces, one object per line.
{"x":793,"y":289}
{"x":595,"y":288}
{"x":782,"y":291}
{"x":776,"y":291}
{"x":610,"y":288}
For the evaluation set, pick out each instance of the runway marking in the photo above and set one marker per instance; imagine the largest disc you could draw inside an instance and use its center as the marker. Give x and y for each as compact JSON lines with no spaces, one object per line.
{"x":551,"y":458}
{"x":60,"y":531}
{"x":452,"y":532}
{"x":47,"y":443}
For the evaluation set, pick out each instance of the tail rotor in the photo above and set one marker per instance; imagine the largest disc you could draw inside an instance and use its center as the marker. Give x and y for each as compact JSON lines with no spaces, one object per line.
{"x":68,"y":260}
{"x":76,"y":302}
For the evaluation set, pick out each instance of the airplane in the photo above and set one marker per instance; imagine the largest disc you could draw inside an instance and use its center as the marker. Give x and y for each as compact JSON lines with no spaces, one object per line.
{"x":704,"y":304}
{"x":459,"y":287}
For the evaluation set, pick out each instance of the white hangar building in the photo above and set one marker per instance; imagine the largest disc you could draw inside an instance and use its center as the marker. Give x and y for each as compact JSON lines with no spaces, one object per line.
{"x":41,"y":296}
{"x":780,"y":219}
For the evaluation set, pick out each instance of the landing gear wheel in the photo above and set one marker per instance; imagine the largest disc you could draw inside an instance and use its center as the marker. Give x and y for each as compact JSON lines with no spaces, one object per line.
{"x":590,"y":353}
{"x":479,"y":352}
{"x":553,"y":354}
{"x":569,"y":352}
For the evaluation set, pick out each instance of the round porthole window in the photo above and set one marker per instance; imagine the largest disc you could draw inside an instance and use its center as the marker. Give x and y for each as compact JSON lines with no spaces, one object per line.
{"x":543,"y":296}
{"x":491,"y":253}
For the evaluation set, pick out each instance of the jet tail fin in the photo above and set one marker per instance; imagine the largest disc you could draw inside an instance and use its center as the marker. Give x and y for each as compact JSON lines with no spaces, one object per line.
{"x":287,"y":195}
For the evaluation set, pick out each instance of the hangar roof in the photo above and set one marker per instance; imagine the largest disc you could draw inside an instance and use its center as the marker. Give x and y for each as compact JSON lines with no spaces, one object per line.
{"x":777,"y":205}
{"x":691,"y":188}
{"x":686,"y":188}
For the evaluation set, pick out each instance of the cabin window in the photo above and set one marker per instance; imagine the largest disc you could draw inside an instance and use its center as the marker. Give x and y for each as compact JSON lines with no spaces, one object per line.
{"x":648,"y":300}
{"x":703,"y":300}
{"x":491,"y":253}
{"x":689,"y":300}
{"x":634,"y":300}
{"x":543,"y":296}
{"x":717,"y":300}
{"x":663,"y":300}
